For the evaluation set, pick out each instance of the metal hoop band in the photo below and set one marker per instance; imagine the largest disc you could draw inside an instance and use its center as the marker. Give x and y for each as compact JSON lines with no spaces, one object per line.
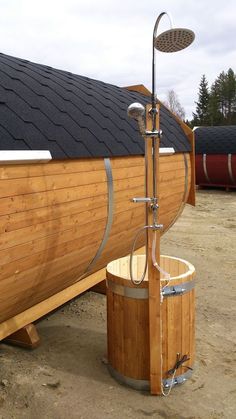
{"x":205,"y":168}
{"x":144,"y":385}
{"x":110,"y":208}
{"x":230,"y":169}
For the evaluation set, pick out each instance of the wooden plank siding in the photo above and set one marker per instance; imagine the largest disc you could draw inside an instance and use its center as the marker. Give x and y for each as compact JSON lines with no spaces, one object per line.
{"x":53,"y":216}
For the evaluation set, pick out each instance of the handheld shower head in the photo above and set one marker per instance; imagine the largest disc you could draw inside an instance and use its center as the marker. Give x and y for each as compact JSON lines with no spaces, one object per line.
{"x":174,"y":40}
{"x":137,"y":111}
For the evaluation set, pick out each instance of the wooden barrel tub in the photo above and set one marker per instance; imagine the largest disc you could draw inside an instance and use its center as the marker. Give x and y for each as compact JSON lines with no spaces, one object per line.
{"x":128,"y":322}
{"x":62,"y":220}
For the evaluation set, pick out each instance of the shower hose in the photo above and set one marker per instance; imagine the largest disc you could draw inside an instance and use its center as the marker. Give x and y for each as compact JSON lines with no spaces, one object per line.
{"x":136,"y":281}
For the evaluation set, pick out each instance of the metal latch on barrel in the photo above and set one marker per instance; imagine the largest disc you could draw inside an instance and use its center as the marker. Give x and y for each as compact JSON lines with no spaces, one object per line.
{"x":179,"y":289}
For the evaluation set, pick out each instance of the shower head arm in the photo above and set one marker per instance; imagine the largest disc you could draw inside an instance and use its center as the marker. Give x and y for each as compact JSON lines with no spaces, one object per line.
{"x":154,"y":99}
{"x":158,"y":21}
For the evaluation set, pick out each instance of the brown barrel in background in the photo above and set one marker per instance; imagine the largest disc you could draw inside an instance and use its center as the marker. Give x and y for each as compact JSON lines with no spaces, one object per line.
{"x":215,"y":149}
{"x":127,"y":322}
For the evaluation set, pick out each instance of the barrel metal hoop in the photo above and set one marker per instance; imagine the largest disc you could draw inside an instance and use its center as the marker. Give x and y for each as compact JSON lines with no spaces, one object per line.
{"x":135,"y":293}
{"x":185,"y":194}
{"x":144,"y":385}
{"x":230,"y":169}
{"x":142,"y":293}
{"x":186,"y":179}
{"x":205,"y":168}
{"x":131,"y":382}
{"x":180,"y":289}
{"x":110,"y":208}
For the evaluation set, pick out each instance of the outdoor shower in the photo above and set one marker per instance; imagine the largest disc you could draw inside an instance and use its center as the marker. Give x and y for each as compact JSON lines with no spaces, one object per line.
{"x":150,"y":347}
{"x":172,"y":40}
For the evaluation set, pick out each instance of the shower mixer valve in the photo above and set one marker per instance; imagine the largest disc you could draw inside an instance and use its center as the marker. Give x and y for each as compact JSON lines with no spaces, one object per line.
{"x":153,"y":206}
{"x":146,"y":200}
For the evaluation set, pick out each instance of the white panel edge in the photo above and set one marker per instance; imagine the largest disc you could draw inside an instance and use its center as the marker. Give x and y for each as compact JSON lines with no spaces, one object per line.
{"x":166,"y":151}
{"x":24,"y":156}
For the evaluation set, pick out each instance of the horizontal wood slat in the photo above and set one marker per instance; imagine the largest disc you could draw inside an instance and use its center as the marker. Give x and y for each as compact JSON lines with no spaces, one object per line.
{"x":56,"y":239}
{"x":92,"y":233}
{"x":51,"y":303}
{"x":53,"y":217}
{"x":9,"y":187}
{"x":65,"y":167}
{"x":37,"y":283}
{"x":26,"y":218}
{"x":29,"y":201}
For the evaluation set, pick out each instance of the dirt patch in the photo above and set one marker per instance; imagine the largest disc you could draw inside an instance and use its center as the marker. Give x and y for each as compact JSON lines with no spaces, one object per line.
{"x":66,"y":377}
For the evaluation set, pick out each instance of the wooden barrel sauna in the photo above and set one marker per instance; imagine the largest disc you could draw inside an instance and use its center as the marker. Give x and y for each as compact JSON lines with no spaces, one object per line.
{"x":127,"y":322}
{"x":53,"y":219}
{"x":62,"y":221}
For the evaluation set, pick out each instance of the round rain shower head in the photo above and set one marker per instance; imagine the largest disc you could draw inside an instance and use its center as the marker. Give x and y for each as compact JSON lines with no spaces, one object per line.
{"x":174,"y":40}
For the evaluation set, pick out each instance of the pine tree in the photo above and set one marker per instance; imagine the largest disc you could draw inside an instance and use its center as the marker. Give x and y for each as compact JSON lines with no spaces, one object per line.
{"x":221,"y":85}
{"x":225,"y":86}
{"x":230,"y":95}
{"x":201,"y":116}
{"x":214,"y":105}
{"x":217,"y":107}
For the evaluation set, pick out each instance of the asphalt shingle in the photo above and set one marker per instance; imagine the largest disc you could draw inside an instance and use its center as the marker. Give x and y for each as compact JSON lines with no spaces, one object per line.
{"x":215,"y":140}
{"x":71,"y":115}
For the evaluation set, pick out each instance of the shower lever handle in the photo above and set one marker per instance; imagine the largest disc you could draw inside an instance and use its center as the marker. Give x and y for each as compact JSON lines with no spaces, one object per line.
{"x":141,"y":200}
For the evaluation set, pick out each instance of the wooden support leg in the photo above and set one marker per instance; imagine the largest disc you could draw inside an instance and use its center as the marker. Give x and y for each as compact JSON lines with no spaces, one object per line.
{"x":154,"y":285}
{"x":27,"y":337}
{"x":100,"y":288}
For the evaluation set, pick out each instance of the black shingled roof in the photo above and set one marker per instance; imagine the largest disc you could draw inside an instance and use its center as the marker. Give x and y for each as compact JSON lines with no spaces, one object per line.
{"x":215,"y":140}
{"x":42,"y":108}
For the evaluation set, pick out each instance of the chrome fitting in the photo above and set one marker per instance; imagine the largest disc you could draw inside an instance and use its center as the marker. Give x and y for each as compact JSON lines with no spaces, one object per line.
{"x":154,"y":205}
{"x":153,"y":111}
{"x":153,"y":201}
{"x":141,"y":200}
{"x":156,"y":226}
{"x":154,"y":133}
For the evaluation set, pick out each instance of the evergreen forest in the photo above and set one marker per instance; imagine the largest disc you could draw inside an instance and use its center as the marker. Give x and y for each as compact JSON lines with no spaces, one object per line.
{"x":216,"y":104}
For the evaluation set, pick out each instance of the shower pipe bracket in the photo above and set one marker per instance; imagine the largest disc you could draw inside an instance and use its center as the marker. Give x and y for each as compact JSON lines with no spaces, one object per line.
{"x":153,"y":110}
{"x":154,"y":133}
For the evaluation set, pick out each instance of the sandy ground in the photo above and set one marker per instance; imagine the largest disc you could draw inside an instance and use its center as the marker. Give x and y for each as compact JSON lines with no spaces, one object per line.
{"x":66,"y":377}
